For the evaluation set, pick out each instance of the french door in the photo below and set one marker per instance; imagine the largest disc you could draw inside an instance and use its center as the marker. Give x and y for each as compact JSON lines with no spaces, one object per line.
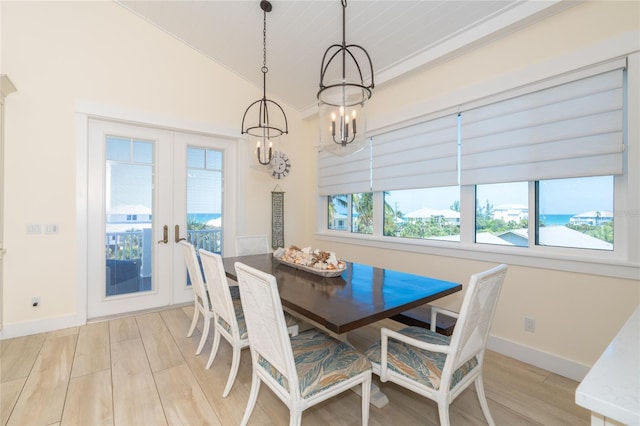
{"x":149,"y":189}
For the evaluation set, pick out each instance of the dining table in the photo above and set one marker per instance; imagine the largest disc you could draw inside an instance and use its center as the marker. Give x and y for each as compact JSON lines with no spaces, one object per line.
{"x":359,"y":296}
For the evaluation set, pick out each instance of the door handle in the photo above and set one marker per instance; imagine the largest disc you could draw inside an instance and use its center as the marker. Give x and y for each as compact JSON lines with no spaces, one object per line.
{"x":165,"y":234}
{"x":176,"y":234}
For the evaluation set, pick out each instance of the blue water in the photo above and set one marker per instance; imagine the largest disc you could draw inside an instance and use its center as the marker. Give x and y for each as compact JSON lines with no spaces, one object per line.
{"x":555,"y":219}
{"x":202,"y":217}
{"x":547,"y":219}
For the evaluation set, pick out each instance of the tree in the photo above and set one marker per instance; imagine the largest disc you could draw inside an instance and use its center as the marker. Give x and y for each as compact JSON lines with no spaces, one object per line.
{"x":428,"y":228}
{"x":602,"y":232}
{"x":484,"y":216}
{"x":488,"y":210}
{"x":363,"y":205}
{"x":390,"y":219}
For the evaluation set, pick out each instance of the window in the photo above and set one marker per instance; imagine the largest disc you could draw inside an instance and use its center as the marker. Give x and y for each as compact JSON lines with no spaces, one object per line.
{"x":337,"y":217}
{"x":536,"y":172}
{"x":428,"y":213}
{"x":360,"y":208}
{"x":575,"y":213}
{"x":362,"y":213}
{"x":502,"y":214}
{"x":204,"y":198}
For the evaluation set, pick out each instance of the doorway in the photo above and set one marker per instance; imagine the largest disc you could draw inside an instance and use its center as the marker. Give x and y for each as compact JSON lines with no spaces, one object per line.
{"x":150,"y":188}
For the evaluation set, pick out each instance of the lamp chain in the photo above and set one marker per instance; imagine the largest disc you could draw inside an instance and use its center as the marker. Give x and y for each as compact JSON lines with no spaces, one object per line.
{"x":263,"y":131}
{"x":264,"y":44}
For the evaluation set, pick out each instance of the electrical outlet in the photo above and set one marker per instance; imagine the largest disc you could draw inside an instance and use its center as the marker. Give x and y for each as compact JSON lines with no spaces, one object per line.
{"x":35,"y":301}
{"x":529,"y":325}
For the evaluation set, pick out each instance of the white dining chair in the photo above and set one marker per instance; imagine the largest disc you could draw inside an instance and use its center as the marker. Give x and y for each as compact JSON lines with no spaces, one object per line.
{"x":251,"y":244}
{"x":441,"y":367}
{"x":228,"y":315}
{"x":201,"y":302}
{"x":303,"y":370}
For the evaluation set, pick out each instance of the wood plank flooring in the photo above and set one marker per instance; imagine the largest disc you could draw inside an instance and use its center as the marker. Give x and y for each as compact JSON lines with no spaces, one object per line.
{"x":142,"y":370}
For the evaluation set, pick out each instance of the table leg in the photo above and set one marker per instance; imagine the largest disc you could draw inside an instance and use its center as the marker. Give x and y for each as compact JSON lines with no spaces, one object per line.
{"x":378,"y":399}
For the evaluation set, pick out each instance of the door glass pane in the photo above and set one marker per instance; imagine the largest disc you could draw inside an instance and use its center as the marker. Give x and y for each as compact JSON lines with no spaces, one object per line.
{"x":204,"y":198}
{"x":128,"y":215}
{"x":142,"y":152}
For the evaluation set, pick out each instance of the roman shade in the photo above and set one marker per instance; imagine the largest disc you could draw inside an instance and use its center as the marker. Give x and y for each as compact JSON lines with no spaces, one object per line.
{"x":345,"y":175}
{"x":419,"y":156}
{"x":573,"y":127}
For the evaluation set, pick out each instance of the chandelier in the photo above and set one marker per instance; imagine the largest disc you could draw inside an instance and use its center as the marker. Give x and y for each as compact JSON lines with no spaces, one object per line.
{"x":262,"y":131}
{"x":342,"y":95}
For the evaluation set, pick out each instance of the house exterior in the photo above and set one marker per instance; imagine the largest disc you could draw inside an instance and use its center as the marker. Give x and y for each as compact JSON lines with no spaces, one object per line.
{"x":593,"y":218}
{"x":444,"y":217}
{"x":124,"y":217}
{"x":510,"y":212}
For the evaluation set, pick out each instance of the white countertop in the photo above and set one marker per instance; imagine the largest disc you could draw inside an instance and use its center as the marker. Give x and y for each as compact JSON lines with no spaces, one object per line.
{"x":612,"y":386}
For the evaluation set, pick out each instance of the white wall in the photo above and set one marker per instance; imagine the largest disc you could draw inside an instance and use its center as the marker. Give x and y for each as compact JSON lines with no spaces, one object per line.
{"x":576,"y":314}
{"x":63,"y":54}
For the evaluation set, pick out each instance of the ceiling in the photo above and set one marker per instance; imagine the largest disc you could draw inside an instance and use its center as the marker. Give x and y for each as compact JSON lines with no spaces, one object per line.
{"x":399,"y":35}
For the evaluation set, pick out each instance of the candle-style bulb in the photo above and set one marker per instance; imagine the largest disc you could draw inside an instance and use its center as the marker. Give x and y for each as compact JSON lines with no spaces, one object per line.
{"x":354,"y":129}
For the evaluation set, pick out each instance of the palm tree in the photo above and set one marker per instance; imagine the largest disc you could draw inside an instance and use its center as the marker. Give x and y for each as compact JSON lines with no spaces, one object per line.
{"x":363,"y":205}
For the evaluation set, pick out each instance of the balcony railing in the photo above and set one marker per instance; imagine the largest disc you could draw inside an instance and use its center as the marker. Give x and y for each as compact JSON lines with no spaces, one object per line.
{"x":135,"y":244}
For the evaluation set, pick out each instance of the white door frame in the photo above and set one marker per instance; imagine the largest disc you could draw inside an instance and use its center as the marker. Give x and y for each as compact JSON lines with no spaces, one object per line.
{"x":235,"y":170}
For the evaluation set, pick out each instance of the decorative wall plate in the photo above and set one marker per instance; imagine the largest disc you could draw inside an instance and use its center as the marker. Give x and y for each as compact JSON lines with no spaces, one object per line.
{"x":281,"y":165}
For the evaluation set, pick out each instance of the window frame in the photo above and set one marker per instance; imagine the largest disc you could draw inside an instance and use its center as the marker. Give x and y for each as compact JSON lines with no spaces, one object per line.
{"x":622,"y":262}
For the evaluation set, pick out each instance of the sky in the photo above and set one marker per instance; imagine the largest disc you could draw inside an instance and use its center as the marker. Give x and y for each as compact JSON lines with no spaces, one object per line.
{"x":560,"y":196}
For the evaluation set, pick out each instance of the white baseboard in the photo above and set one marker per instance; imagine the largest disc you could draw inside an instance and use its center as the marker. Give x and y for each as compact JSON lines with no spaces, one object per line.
{"x":39,"y":326}
{"x":556,"y":364}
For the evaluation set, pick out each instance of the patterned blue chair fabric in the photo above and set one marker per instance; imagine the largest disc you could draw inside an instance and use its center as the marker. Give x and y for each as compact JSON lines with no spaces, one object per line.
{"x":422,"y":366}
{"x":321,"y":362}
{"x":242,"y":326}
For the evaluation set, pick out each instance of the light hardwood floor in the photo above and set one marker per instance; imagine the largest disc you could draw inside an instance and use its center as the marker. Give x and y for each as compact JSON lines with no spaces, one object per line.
{"x":142,"y":370}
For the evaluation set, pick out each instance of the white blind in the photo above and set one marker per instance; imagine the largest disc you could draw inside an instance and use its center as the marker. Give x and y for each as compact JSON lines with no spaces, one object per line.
{"x":345,"y":175}
{"x":420,"y":156}
{"x":570,"y":130}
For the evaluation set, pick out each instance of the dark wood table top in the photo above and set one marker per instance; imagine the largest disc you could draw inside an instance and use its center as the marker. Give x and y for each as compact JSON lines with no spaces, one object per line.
{"x":360,"y":296}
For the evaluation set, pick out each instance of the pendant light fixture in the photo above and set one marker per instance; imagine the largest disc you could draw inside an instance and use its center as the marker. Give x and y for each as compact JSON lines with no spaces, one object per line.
{"x":264,"y":130}
{"x":342,"y":95}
